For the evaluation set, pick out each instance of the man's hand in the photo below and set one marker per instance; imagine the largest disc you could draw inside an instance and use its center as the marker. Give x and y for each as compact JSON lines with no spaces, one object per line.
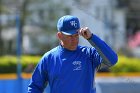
{"x":85,"y":32}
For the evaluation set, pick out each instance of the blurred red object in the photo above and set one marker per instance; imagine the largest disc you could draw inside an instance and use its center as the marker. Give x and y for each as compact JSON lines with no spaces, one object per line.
{"x":134,"y":41}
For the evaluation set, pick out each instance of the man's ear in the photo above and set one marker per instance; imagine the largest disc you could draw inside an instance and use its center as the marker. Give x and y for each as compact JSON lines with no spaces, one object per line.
{"x":59,"y":35}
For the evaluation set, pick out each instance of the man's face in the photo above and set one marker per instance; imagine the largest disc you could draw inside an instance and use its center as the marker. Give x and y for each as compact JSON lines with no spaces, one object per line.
{"x":69,"y":41}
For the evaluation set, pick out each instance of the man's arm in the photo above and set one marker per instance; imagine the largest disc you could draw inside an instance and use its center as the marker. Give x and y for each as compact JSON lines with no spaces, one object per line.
{"x":39,"y":78}
{"x":108,"y":55}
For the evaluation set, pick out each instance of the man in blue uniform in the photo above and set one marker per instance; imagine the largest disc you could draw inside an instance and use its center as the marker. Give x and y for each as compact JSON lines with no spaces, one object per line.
{"x":69,"y":67}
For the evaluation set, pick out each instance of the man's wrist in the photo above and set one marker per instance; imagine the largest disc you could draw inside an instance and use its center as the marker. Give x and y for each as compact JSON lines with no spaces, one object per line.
{"x":90,"y":37}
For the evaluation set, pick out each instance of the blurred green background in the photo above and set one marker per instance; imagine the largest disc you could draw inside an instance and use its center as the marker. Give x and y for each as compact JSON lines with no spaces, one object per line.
{"x":8,"y":64}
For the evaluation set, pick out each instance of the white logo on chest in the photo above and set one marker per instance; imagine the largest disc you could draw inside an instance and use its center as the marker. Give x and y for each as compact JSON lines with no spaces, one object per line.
{"x":77,"y":65}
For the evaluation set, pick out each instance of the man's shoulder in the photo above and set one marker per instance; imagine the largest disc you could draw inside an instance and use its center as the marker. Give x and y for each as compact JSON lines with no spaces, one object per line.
{"x":51,"y":52}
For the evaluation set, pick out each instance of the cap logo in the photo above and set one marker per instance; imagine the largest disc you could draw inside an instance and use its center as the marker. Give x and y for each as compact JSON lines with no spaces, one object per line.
{"x":73,"y":23}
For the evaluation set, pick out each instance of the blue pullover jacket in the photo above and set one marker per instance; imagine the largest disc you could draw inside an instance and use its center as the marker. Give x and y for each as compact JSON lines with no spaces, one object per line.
{"x":72,"y":71}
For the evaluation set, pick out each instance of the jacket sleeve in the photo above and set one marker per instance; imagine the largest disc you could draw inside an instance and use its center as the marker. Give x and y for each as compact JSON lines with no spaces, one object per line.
{"x":109,"y":57}
{"x":39,"y":78}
